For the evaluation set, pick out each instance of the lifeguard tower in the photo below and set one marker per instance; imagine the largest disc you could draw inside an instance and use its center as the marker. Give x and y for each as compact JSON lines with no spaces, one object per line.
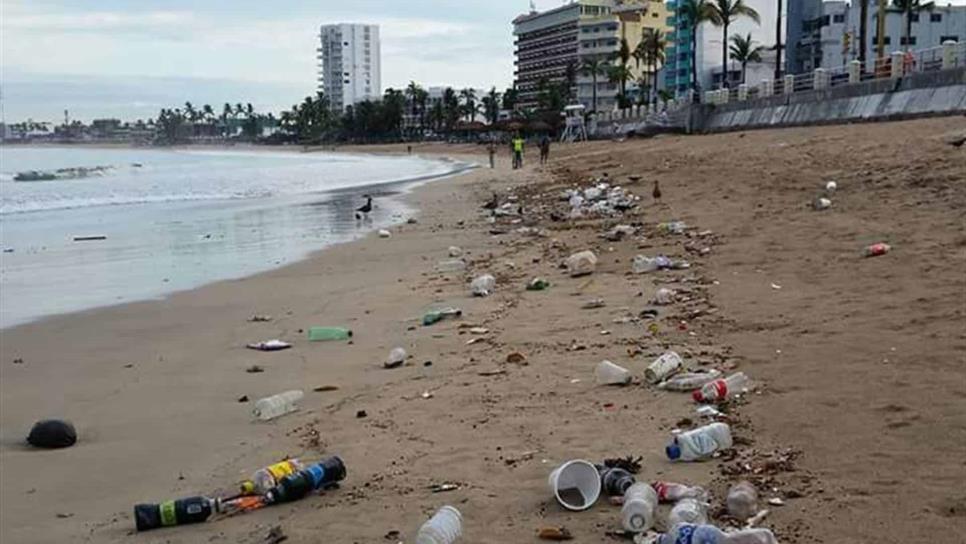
{"x":575,"y":130}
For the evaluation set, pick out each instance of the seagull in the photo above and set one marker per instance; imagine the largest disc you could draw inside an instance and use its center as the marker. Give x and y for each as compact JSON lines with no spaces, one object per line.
{"x":657,"y":191}
{"x":365,"y":208}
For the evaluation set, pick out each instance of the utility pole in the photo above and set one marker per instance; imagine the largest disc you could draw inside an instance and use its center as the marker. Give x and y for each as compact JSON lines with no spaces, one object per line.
{"x":863,"y":31}
{"x":880,"y":29}
{"x":778,"y":43}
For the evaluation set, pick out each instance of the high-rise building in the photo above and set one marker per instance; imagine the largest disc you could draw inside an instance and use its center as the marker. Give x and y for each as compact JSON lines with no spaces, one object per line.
{"x":349,"y":64}
{"x":678,"y":71}
{"x":554,"y":47}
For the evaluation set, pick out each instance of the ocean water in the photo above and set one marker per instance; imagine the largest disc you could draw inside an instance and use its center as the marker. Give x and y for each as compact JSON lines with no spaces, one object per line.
{"x":175,"y":219}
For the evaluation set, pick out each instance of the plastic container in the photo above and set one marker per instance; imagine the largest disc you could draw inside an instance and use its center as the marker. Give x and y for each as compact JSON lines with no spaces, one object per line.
{"x":672,"y":492}
{"x":686,"y":533}
{"x":455,"y":252}
{"x":397,"y":356}
{"x":268,"y":477}
{"x":311,"y":478}
{"x":445,"y":527}
{"x":689,"y":381}
{"x":664,"y":296}
{"x":722,"y":389}
{"x":277,"y":405}
{"x":321,"y":334}
{"x":821,"y":203}
{"x":663,"y":366}
{"x":171,"y":513}
{"x":483,"y":285}
{"x":608,"y":373}
{"x":451,"y":265}
{"x":538,"y":284}
{"x":615,"y":481}
{"x":742,"y":501}
{"x":700,"y":443}
{"x":575,"y":484}
{"x":435,"y":316}
{"x":877,"y":249}
{"x":688,"y":510}
{"x":383,"y":233}
{"x":643,"y":264}
{"x":581,"y":264}
{"x":640,"y":502}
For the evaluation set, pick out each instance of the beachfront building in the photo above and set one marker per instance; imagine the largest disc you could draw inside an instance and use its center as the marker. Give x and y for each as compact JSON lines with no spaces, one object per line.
{"x":553,"y":46}
{"x":349,"y":64}
{"x":678,"y":72}
{"x":826,"y":34}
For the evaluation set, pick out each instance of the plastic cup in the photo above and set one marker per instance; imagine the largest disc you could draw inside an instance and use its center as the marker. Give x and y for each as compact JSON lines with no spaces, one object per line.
{"x":575,"y":484}
{"x":610,"y":374}
{"x":663,"y":366}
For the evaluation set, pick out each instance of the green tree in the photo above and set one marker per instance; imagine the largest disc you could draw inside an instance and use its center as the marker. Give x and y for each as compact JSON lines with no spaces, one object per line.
{"x":722,"y":13}
{"x":451,"y":108}
{"x":744,"y":51}
{"x":908,"y":8}
{"x":619,"y":74}
{"x":468,"y":108}
{"x":491,"y":106}
{"x":594,"y":67}
{"x":510,"y":98}
{"x":654,"y":52}
{"x":694,"y":13}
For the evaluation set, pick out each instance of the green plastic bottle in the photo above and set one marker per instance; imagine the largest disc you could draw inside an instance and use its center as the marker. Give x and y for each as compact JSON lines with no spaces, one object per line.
{"x":321,"y":334}
{"x":439,"y":315}
{"x":538,"y":284}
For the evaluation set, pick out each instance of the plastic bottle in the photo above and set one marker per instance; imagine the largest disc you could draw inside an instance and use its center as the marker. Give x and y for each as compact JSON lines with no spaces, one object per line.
{"x":445,"y":527}
{"x":663,"y":366}
{"x":686,"y":533}
{"x":700,"y":443}
{"x":688,"y":511}
{"x":581,"y":264}
{"x":615,"y":481}
{"x":689,"y":381}
{"x":436,"y":316}
{"x":640,"y":500}
{"x":451,"y":265}
{"x":875,"y":250}
{"x":171,"y":513}
{"x":538,"y":284}
{"x":397,"y":356}
{"x":277,"y":405}
{"x":268,"y":477}
{"x":742,"y":500}
{"x":312,"y":478}
{"x":722,"y":389}
{"x":483,"y":285}
{"x":320,"y":334}
{"x":672,"y":492}
{"x":664,"y":296}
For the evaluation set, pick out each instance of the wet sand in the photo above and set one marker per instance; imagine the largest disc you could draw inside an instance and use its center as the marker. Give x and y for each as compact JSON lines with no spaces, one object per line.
{"x":859,"y":423}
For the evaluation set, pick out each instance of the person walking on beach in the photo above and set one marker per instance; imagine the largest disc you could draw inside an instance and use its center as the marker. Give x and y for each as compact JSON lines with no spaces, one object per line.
{"x":517,"y":152}
{"x":544,"y":149}
{"x":491,"y":149}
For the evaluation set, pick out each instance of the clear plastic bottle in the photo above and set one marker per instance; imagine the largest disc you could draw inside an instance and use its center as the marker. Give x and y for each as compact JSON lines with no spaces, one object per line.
{"x":321,"y":334}
{"x":483,"y":285}
{"x":445,"y":527}
{"x":615,"y":481}
{"x":742,"y":500}
{"x":397,"y":356}
{"x":436,"y":316}
{"x":688,"y":510}
{"x":672,"y":492}
{"x":686,"y":533}
{"x":700,"y":443}
{"x":268,"y":477}
{"x":721,"y":390}
{"x":451,"y":265}
{"x":640,"y":501}
{"x":277,"y":405}
{"x":689,"y":381}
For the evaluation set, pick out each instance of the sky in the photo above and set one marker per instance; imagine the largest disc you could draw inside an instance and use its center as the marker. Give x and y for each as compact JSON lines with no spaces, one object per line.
{"x":129,"y":58}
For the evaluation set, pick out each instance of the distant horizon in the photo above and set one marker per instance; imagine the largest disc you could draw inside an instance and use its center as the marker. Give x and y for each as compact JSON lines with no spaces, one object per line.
{"x":105,"y":59}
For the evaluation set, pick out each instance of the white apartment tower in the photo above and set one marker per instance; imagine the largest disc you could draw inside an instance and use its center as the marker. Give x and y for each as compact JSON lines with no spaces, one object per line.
{"x":349,"y":65}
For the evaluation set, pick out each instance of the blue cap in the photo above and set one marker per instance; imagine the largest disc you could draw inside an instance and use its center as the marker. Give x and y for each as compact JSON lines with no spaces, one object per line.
{"x":673,"y":451}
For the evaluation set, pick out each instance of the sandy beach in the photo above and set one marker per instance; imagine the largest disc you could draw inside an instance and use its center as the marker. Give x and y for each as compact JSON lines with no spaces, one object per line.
{"x":858,"y":423}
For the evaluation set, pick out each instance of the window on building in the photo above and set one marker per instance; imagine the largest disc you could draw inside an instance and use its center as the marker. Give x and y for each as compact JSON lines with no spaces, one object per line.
{"x":838,"y":18}
{"x":943,"y":39}
{"x":935,"y":17}
{"x":902,"y":40}
{"x":875,"y":40}
{"x":346,"y":81}
{"x":345,"y":43}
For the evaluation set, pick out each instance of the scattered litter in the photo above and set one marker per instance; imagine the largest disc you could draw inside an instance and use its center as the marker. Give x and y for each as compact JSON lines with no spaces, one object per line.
{"x":664,"y":366}
{"x":575,"y":484}
{"x":451,"y":265}
{"x":581,"y":264}
{"x":322,"y":334}
{"x":776,"y":501}
{"x":444,"y":487}
{"x":483,"y":285}
{"x":700,"y":443}
{"x":618,"y":233}
{"x":821,"y":203}
{"x":243,"y":398}
{"x":708,"y":411}
{"x":427,"y":394}
{"x":593,"y":304}
{"x":673,"y":227}
{"x":742,"y":500}
{"x":254,"y":369}
{"x":65,"y":515}
{"x":776,"y":287}
{"x":472,"y":341}
{"x":445,"y":527}
{"x":878,"y":249}
{"x":259,"y":318}
{"x":492,"y":372}
{"x":643,"y":264}
{"x":830,"y":187}
{"x":516,"y":358}
{"x":397,"y":356}
{"x":89,"y":238}
{"x":383,"y":233}
{"x":607,"y":373}
{"x":554,"y":533}
{"x":436,"y":316}
{"x":52,"y":433}
{"x":537,"y":284}
{"x":360,"y":414}
{"x":629,"y":463}
{"x":324,"y":388}
{"x":722,"y":390}
{"x":412,"y":221}
{"x":753,"y":521}
{"x":479,"y":330}
{"x":664,"y":296}
{"x":455,"y":251}
{"x":275,"y":536}
{"x":269,"y":345}
{"x":277,"y":405}
{"x":640,"y":503}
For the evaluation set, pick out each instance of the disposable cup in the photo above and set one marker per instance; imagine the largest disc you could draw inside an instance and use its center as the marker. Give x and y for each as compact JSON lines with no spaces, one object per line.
{"x":610,"y":374}
{"x":663,"y":366}
{"x":575,"y":484}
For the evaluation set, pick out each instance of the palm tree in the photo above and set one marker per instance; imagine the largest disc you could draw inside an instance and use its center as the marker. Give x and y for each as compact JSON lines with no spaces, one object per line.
{"x":491,"y":106}
{"x":743,"y":51}
{"x":724,"y":12}
{"x":694,"y":12}
{"x":593,"y":67}
{"x":623,"y":55}
{"x":654,"y":45}
{"x":451,"y":108}
{"x":620,"y":74}
{"x":908,"y":8}
{"x":469,"y":109}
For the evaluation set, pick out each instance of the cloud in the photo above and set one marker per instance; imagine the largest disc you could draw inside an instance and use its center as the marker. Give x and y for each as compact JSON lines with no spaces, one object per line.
{"x":105,"y":21}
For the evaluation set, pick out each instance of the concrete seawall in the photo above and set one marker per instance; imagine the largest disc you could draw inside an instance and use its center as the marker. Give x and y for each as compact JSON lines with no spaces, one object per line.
{"x":918,"y":95}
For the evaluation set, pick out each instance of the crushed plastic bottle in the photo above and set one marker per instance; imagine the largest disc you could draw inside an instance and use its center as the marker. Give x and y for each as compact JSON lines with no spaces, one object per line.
{"x":268,"y":477}
{"x":455,"y":252}
{"x":615,"y":481}
{"x":538,"y":284}
{"x":742,"y":500}
{"x":445,"y":527}
{"x":582,"y":263}
{"x":672,"y":492}
{"x":277,"y":405}
{"x":322,"y":334}
{"x":722,"y":389}
{"x":435,"y":316}
{"x":688,"y":510}
{"x":664,"y":296}
{"x":686,"y":533}
{"x":700,"y":443}
{"x":483,"y":285}
{"x":640,"y":501}
{"x":876,"y":250}
{"x":689,"y":381}
{"x":643,"y":264}
{"x":451,"y":265}
{"x":397,"y":356}
{"x":662,"y":367}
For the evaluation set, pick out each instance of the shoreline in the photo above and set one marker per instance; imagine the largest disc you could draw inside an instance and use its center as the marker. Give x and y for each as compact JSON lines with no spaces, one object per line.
{"x":154,"y":386}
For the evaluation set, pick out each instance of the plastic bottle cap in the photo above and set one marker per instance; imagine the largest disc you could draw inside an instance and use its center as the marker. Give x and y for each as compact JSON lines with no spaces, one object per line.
{"x":248,"y":487}
{"x":697,"y":396}
{"x":673,"y":451}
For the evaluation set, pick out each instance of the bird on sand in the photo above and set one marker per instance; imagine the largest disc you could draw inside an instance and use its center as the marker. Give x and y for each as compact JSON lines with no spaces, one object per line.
{"x":656,"y":193}
{"x":492,"y":204}
{"x":365,"y":208}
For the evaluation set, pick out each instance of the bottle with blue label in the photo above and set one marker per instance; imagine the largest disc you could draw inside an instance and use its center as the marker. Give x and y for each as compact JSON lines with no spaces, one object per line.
{"x":312,"y":478}
{"x":686,"y":533}
{"x":700,"y":443}
{"x":171,"y":513}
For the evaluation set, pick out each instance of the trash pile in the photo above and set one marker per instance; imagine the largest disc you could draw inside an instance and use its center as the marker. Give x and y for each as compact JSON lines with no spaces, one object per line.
{"x":599,"y":199}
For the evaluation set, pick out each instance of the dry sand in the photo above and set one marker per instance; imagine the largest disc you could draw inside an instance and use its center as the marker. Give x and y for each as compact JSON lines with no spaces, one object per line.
{"x":859,"y":424}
